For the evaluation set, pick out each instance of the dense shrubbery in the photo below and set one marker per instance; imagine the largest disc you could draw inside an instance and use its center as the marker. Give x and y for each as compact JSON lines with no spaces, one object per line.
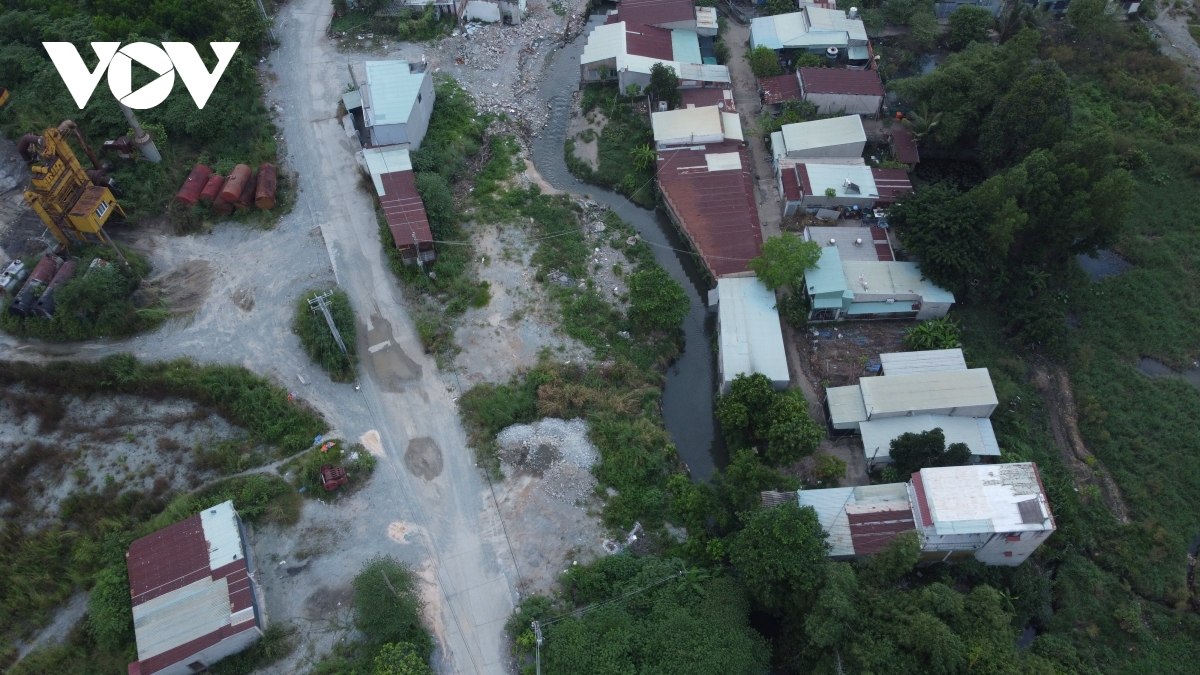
{"x":318,"y":340}
{"x":306,"y":467}
{"x":777,"y":423}
{"x":625,"y":131}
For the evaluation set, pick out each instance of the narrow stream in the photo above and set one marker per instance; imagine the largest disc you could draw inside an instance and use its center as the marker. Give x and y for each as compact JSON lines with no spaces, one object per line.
{"x":691,"y":381}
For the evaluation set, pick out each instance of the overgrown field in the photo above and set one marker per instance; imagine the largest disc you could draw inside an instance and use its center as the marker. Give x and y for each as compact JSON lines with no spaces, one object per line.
{"x":625,"y":132}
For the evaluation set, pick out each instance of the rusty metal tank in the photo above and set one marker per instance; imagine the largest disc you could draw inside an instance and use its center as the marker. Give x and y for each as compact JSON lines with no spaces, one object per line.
{"x":235,"y":183}
{"x":43,"y":272}
{"x":246,"y":200}
{"x":44,"y":307}
{"x":212,"y":187}
{"x":264,"y":193}
{"x":221,"y":206}
{"x":192,"y":187}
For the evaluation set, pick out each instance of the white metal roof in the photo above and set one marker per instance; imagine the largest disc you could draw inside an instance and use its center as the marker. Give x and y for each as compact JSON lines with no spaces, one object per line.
{"x":178,"y":617}
{"x":688,"y":125}
{"x":925,"y":361}
{"x":387,"y":159}
{"x":985,"y":498}
{"x":706,"y":17}
{"x":685,"y":46}
{"x":927,"y":391}
{"x":751,"y":339}
{"x":222,"y":534}
{"x":723,"y":161}
{"x":391,"y":92}
{"x":977,"y":433}
{"x":833,"y":506}
{"x":846,"y":404}
{"x":732,"y":124}
{"x":821,"y":177}
{"x":801,"y":137}
{"x":606,"y":41}
{"x":811,"y":27}
{"x":891,"y":278}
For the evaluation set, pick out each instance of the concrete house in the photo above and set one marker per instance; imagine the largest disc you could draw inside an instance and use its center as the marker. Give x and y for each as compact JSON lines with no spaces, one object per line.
{"x":998,"y":514}
{"x":195,"y":600}
{"x":835,"y":137}
{"x":396,"y":103}
{"x":841,"y":90}
{"x":751,"y":339}
{"x":626,"y":52}
{"x":817,"y":184}
{"x":695,"y":126}
{"x":869,"y":284}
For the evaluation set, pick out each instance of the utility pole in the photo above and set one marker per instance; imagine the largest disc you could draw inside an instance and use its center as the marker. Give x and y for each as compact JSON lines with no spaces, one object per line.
{"x":537,"y":633}
{"x":141,"y":139}
{"x":318,"y":303}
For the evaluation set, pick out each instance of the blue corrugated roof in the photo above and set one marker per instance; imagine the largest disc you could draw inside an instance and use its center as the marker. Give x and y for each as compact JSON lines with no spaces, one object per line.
{"x":762,"y":33}
{"x":827,"y":276}
{"x":393,"y":91}
{"x":685,"y":46}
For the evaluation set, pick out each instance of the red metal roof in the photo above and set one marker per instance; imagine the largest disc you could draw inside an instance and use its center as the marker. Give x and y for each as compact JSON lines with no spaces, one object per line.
{"x":648,"y":41}
{"x":706,"y":96}
{"x":884,"y":252}
{"x":791,"y":184}
{"x":779,"y":88}
{"x":905,"y":145}
{"x":167,"y":560}
{"x":654,"y":12}
{"x":715,"y":209}
{"x":871,"y":532}
{"x":805,"y":182}
{"x":922,"y":500}
{"x":840,"y":81}
{"x":404,"y":210}
{"x":189,"y":649}
{"x":891,"y":183}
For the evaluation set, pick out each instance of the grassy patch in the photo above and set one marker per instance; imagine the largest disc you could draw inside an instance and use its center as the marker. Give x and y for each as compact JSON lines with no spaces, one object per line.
{"x":318,"y":340}
{"x":626,"y":130}
{"x":306,"y":467}
{"x":277,"y":641}
{"x":92,"y":306}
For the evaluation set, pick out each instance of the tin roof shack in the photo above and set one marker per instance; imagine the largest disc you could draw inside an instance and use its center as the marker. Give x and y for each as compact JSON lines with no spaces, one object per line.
{"x":710,"y":197}
{"x":391,"y":173}
{"x":811,"y":185}
{"x":776,"y":89}
{"x":751,"y":339}
{"x":865,"y":289}
{"x":924,"y":361}
{"x":194,"y":597}
{"x":834,"y":90}
{"x":841,"y":137}
{"x":695,"y":126}
{"x":626,"y":52}
{"x":996,"y":513}
{"x":812,"y":29}
{"x":396,"y":101}
{"x":960,"y":393}
{"x":976,"y":432}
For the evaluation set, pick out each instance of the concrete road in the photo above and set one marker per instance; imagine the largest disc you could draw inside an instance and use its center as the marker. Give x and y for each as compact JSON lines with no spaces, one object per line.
{"x":745,"y":93}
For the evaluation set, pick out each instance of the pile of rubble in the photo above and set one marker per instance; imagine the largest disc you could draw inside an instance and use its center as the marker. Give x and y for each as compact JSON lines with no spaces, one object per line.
{"x":557,"y":451}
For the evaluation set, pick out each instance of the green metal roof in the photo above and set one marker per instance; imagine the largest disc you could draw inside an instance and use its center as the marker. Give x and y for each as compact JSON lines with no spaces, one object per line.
{"x":394,"y":89}
{"x":685,"y":46}
{"x":827,"y":303}
{"x":826,"y":277}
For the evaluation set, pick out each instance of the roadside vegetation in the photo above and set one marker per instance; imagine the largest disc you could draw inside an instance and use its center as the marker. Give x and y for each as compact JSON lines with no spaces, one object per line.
{"x":305,"y":468}
{"x":234,"y":126}
{"x":95,"y":305}
{"x":411,"y":24}
{"x":318,"y":340}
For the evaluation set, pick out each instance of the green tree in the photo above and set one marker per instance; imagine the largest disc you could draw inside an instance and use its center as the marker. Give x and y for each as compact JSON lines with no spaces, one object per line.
{"x":896,"y":559}
{"x":943,"y":230}
{"x":664,"y":84}
{"x":438,"y":197}
{"x":1089,"y":19}
{"x":835,"y":610}
{"x":656,"y":301}
{"x":400,"y":658}
{"x":737,"y":489}
{"x":386,"y":606}
{"x":643,"y":156}
{"x":793,"y":435}
{"x":784,"y":261}
{"x":110,"y":619}
{"x":780,"y":554}
{"x":764,"y":62}
{"x":914,"y":451}
{"x":969,"y":24}
{"x":754,"y":414}
{"x":939,"y":333}
{"x":1033,"y":114}
{"x":772,"y":7}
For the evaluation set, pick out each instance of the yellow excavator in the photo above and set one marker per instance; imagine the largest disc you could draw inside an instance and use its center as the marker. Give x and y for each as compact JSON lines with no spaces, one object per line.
{"x":73,"y":203}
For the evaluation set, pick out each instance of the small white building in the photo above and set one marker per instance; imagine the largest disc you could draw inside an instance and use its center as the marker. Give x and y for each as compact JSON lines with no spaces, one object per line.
{"x":695,"y":126}
{"x":396,"y":103}
{"x":813,"y":29}
{"x":626,"y":53}
{"x":997,"y":513}
{"x":842,"y":137}
{"x":751,"y":339}
{"x":962,"y":393}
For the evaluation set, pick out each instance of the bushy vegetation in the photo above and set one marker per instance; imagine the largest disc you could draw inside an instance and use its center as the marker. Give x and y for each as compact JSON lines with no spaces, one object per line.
{"x":764,"y":62}
{"x":625,"y":132}
{"x":915,"y":451}
{"x":940,"y":333}
{"x":776,"y":424}
{"x":306,"y":467}
{"x":387,"y":610}
{"x":233,"y":127}
{"x":318,"y":340}
{"x":414,"y":24}
{"x":92,"y":305}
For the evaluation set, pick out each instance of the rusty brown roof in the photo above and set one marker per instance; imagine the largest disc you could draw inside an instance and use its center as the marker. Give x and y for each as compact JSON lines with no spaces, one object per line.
{"x":169,"y":559}
{"x":706,"y":96}
{"x":715,"y":209}
{"x":870,"y":532}
{"x":791,"y":183}
{"x":922,"y":503}
{"x":905,"y":145}
{"x":654,"y":12}
{"x":404,"y":210}
{"x":840,"y":81}
{"x":779,"y":88}
{"x":648,"y":41}
{"x":891,"y":183}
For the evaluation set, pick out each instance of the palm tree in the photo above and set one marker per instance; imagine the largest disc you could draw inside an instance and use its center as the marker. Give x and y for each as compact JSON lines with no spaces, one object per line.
{"x":643,"y":156}
{"x":1018,"y":14}
{"x":922,"y":123}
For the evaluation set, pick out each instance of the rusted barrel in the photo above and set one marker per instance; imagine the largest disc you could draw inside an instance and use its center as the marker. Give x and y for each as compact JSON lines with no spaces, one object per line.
{"x":212,"y":188}
{"x":22,"y":304}
{"x":221,"y":206}
{"x":44,"y":307}
{"x":247,"y":197}
{"x":235,"y":183}
{"x":196,"y":180}
{"x":264,"y":193}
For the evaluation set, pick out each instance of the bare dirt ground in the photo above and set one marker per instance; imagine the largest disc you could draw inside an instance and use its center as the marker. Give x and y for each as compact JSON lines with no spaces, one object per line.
{"x":840,"y":353}
{"x":1054,"y":385}
{"x":1175,"y":39}
{"x":745,"y":93}
{"x":577,"y":126}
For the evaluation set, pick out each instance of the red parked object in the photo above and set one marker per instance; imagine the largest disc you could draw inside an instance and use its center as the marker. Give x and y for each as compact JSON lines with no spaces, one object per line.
{"x":212,"y":188}
{"x":196,"y":180}
{"x":246,"y":200}
{"x":221,"y":206}
{"x":264,"y":193}
{"x":333,"y":476}
{"x":235,"y":183}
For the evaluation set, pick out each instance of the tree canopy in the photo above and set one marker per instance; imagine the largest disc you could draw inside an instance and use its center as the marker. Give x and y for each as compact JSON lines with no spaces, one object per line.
{"x":784,"y":260}
{"x":664,"y":84}
{"x":764,"y":62}
{"x":753,"y":414}
{"x":656,"y":301}
{"x":914,"y":451}
{"x":780,"y":554}
{"x":969,"y":24}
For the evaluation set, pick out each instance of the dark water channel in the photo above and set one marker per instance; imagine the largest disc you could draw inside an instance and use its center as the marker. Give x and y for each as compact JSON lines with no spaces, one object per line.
{"x":691,"y":381}
{"x":1156,"y":368}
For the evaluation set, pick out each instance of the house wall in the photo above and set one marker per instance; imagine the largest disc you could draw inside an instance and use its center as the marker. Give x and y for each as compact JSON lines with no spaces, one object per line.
{"x":993,"y":552}
{"x":821,"y":201}
{"x":227,"y":647}
{"x":590,"y":72}
{"x":413,"y":131}
{"x":933,"y":310}
{"x":853,"y":149}
{"x":851,"y":104}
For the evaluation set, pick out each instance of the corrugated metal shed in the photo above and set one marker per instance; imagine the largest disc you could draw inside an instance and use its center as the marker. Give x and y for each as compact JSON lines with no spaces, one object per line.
{"x":846,"y":409}
{"x":827,"y":276}
{"x":822,"y":177}
{"x":654,"y":12}
{"x":708,"y":96}
{"x":404,"y":210}
{"x":891,"y":183}
{"x":976,"y":432}
{"x":696,"y":72}
{"x":687,"y":126}
{"x":984,"y":498}
{"x":779,"y":88}
{"x":751,"y":340}
{"x":962,"y":392}
{"x":891,"y":278}
{"x":391,"y":90}
{"x":905,"y":145}
{"x":181,"y":616}
{"x":924,"y":361}
{"x":803,"y":138}
{"x":860,"y":520}
{"x":385,"y":160}
{"x":840,"y":81}
{"x":685,"y":46}
{"x":830,"y":505}
{"x":810,"y":28}
{"x":222,"y":534}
